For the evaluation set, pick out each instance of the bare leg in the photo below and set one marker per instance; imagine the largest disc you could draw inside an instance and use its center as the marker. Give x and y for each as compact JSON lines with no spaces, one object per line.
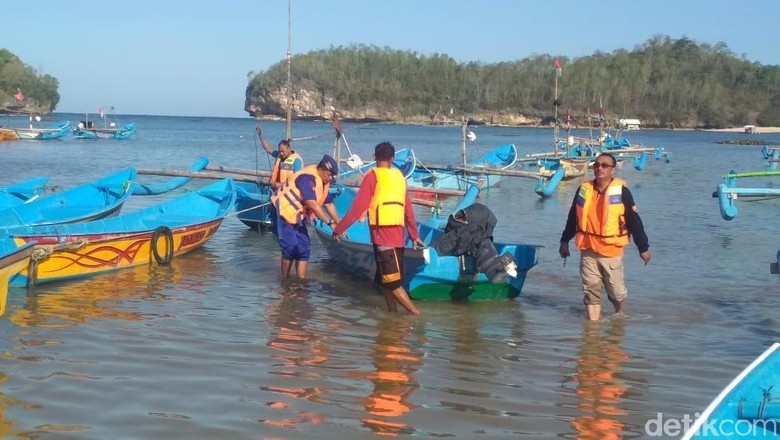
{"x":286,"y":265}
{"x":402,"y":297}
{"x":301,"y":266}
{"x":619,"y":306}
{"x":390,"y":300}
{"x":594,"y":311}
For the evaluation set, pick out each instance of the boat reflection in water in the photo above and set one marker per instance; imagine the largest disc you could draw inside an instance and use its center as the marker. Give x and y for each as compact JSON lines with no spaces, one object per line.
{"x":395,"y":363}
{"x":102,"y":296}
{"x":600,"y":389}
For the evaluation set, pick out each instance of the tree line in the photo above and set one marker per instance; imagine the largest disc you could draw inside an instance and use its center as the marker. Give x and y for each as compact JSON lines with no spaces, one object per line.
{"x":39,"y":90}
{"x":664,"y":82}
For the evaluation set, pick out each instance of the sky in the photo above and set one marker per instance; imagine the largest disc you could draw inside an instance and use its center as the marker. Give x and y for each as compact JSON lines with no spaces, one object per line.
{"x":192,"y":58}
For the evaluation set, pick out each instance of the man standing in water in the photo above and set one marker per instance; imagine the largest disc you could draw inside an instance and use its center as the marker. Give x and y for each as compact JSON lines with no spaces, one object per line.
{"x":383,"y":195}
{"x":297,"y":202}
{"x":603,"y":217}
{"x":287,"y":163}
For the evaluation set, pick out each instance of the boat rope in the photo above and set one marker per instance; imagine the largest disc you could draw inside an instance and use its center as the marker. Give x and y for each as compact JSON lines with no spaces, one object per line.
{"x":248,"y":209}
{"x":41,"y":252}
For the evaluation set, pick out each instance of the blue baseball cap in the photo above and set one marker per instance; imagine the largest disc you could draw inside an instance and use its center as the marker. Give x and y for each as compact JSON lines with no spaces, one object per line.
{"x":330,"y":164}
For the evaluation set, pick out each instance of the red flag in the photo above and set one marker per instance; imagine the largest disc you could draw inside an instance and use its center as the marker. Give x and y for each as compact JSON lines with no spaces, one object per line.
{"x":558,"y":67}
{"x":100,"y":111}
{"x":602,"y":114}
{"x":19,"y":95}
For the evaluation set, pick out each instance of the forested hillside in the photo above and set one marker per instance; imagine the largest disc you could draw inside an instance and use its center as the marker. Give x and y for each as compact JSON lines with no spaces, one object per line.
{"x":39,"y":91}
{"x":664,"y":82}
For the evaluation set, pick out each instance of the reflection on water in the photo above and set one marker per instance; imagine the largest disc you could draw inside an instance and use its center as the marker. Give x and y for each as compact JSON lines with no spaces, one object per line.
{"x":395,"y":362}
{"x":599,"y":388}
{"x":101,"y":297}
{"x":298,"y":350}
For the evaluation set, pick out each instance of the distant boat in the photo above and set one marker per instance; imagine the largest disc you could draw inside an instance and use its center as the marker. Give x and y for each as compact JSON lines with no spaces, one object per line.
{"x":13,"y":259}
{"x":747,"y":407}
{"x":89,"y":131}
{"x":6,"y":134}
{"x":477,"y":172}
{"x":93,"y":200}
{"x":54,"y":131}
{"x":157,"y":233}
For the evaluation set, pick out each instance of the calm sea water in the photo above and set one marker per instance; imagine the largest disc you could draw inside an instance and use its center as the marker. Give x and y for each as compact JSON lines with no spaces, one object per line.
{"x":213,"y":346}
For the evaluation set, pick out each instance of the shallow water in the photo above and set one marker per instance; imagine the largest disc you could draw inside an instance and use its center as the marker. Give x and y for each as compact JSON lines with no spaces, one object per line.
{"x":213,"y":346}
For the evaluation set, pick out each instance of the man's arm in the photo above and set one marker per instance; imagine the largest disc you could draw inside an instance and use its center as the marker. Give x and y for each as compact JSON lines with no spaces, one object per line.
{"x":359,"y":205}
{"x":571,"y":222}
{"x":411,"y":221}
{"x":264,"y":141}
{"x":634,"y":222}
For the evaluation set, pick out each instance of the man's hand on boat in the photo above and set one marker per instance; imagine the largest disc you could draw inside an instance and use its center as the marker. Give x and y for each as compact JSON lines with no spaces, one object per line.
{"x":417,"y":242}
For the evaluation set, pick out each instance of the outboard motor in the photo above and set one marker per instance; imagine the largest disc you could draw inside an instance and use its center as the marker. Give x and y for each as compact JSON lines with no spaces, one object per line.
{"x":469,"y":235}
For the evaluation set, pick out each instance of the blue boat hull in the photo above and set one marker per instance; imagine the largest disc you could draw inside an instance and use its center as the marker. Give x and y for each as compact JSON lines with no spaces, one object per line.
{"x":441,"y":278}
{"x":454,"y":179}
{"x":746,"y":406}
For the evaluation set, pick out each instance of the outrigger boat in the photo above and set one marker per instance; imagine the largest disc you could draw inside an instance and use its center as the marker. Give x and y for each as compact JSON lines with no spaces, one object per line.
{"x":100,"y":198}
{"x":431,"y":277}
{"x":6,"y":134}
{"x":747,"y":407}
{"x":54,"y":131}
{"x":727,"y":192}
{"x":157,"y":233}
{"x":92,"y":132}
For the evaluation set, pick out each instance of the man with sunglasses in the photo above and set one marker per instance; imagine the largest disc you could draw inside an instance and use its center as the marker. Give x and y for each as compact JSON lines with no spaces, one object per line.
{"x":304,"y":196}
{"x":602,"y":219}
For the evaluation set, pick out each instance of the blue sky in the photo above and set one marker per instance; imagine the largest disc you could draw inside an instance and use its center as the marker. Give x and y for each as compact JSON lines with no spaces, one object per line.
{"x":175,"y":57}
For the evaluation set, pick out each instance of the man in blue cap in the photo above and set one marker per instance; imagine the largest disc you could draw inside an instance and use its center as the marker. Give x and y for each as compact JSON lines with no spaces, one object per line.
{"x":297,"y":202}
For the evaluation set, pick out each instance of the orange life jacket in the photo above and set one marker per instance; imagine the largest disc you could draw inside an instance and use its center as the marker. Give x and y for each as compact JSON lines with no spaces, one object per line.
{"x":611,"y":229}
{"x":283,"y":169}
{"x":289,"y":202}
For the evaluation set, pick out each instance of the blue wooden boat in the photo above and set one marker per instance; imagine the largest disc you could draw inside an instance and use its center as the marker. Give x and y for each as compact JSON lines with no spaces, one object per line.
{"x":13,"y":259}
{"x":91,"y":132}
{"x":54,"y":131}
{"x":435,"y":277}
{"x":747,"y":407}
{"x":97,"y":199}
{"x":157,"y":233}
{"x":169,"y":185}
{"x":22,"y":192}
{"x":728,"y":193}
{"x":404,"y":160}
{"x":476,"y":172}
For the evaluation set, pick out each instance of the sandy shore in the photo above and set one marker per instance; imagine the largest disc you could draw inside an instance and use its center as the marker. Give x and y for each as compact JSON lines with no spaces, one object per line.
{"x":758,"y":130}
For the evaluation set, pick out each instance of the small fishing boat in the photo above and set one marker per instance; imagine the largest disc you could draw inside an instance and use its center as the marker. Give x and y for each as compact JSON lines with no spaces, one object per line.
{"x":253,"y":204}
{"x":97,"y":199}
{"x":22,"y":192}
{"x":13,"y":259}
{"x":431,"y":277}
{"x":6,"y":134}
{"x":483,"y":172}
{"x":404,"y":160}
{"x":89,"y":131}
{"x":157,"y":233}
{"x":747,"y":407}
{"x":54,"y":131}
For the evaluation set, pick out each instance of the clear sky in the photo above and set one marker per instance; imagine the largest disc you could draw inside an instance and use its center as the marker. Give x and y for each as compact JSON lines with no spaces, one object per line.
{"x":176,"y":57}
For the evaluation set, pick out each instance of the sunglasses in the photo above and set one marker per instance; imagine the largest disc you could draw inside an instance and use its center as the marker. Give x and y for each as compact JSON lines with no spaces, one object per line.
{"x":603,"y":165}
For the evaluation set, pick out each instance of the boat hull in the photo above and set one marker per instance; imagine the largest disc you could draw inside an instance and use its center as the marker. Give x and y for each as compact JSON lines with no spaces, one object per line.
{"x":454,"y":178}
{"x":745,"y":405}
{"x":13,"y":259}
{"x":87,"y":255}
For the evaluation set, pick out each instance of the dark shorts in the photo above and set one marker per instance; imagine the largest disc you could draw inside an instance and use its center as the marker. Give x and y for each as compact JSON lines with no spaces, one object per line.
{"x":293,"y":241}
{"x":389,"y":266}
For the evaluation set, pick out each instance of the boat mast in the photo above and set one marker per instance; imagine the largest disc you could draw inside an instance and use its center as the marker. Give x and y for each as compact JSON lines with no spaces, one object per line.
{"x":463,"y":128}
{"x":289,"y":61}
{"x":556,"y":127}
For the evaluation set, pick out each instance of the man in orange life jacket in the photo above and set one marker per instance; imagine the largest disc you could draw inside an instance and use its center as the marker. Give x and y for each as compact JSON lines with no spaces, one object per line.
{"x":603,"y":217}
{"x":383,"y":196}
{"x":287,"y":163}
{"x":297,"y":202}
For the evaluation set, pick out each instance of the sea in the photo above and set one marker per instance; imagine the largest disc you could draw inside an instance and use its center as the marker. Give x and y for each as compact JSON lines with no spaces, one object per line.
{"x":215,"y":345}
